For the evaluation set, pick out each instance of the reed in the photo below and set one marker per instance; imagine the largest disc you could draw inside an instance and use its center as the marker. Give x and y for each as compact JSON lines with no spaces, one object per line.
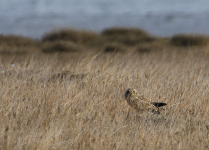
{"x":89,"y":111}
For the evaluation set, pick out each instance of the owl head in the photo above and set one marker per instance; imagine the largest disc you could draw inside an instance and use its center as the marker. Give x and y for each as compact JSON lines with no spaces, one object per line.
{"x":129,"y":92}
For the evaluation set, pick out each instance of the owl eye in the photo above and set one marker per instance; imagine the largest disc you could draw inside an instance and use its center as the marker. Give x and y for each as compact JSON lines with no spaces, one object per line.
{"x":133,"y":92}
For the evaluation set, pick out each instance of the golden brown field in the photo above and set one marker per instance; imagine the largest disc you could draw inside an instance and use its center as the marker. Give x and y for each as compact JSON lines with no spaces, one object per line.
{"x":75,"y":99}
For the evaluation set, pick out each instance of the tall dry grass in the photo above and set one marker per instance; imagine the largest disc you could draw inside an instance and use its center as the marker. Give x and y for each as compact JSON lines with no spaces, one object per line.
{"x":91,"y":112}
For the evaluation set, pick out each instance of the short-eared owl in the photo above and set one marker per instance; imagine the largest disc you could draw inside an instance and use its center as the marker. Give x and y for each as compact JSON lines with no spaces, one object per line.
{"x":140,"y":103}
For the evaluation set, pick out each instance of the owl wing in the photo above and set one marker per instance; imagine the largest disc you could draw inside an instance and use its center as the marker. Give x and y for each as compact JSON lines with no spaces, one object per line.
{"x":145,"y":104}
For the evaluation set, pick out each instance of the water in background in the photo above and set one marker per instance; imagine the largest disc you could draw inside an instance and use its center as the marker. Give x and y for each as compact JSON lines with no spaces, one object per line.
{"x":33,"y":18}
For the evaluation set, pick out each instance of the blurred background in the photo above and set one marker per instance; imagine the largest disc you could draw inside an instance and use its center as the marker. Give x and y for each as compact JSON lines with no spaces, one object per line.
{"x":33,"y":18}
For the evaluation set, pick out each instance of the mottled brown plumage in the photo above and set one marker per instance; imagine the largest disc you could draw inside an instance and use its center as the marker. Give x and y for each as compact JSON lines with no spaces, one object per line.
{"x":140,"y":103}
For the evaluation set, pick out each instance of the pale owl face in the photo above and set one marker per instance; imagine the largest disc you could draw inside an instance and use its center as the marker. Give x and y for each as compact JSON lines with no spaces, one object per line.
{"x":130,"y":92}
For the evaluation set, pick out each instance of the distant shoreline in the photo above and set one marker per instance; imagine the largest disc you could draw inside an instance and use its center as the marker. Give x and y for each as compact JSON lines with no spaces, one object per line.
{"x":100,"y":31}
{"x":110,"y":40}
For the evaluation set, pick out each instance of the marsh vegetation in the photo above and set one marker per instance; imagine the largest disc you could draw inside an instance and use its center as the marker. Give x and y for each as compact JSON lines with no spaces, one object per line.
{"x":63,"y":99}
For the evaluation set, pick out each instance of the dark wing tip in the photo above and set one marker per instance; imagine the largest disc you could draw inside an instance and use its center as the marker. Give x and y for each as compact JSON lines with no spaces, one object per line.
{"x":159,"y":104}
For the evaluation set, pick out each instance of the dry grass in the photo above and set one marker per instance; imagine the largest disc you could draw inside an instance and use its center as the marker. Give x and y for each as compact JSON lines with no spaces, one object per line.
{"x":18,"y":41}
{"x":91,"y":112}
{"x":114,"y":47}
{"x":126,"y":36}
{"x":87,"y":38}
{"x":189,"y":40}
{"x":60,"y":46}
{"x":12,"y":44}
